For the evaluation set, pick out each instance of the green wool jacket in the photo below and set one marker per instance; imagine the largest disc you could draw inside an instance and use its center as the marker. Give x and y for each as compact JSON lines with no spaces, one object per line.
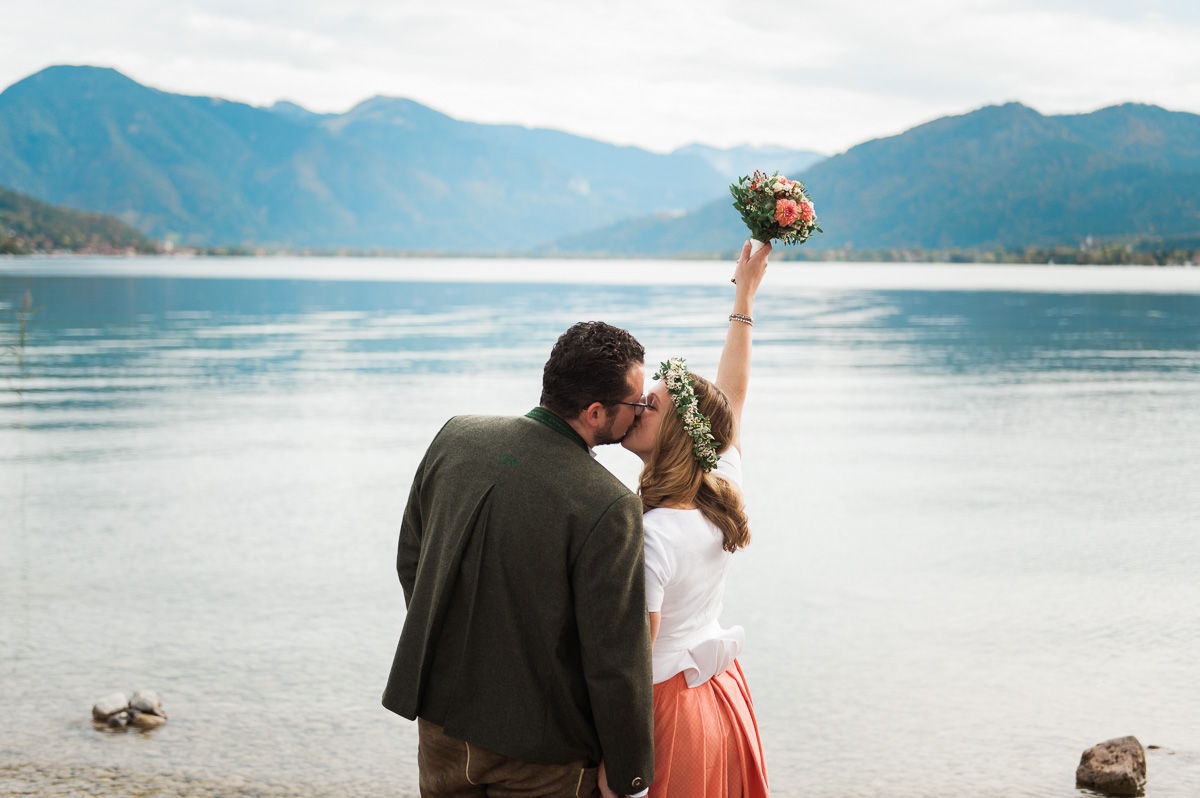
{"x":521,"y":562}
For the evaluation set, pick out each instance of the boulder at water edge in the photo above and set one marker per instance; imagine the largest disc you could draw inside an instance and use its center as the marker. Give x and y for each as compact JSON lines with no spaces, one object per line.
{"x":108,"y":706}
{"x":1117,"y":767}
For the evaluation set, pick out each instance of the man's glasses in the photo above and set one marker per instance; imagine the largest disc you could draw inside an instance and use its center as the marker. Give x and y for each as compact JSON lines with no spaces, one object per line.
{"x":638,"y":407}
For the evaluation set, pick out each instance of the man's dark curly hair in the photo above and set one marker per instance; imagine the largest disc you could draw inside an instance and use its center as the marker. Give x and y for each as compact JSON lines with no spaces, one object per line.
{"x":589,"y":363}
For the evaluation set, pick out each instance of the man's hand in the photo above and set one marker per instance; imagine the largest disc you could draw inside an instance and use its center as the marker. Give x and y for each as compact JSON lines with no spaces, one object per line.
{"x":602,"y":784}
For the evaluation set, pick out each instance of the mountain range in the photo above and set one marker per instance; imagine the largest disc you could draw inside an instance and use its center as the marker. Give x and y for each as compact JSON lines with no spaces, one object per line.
{"x":1003,"y":176}
{"x":391,"y":174}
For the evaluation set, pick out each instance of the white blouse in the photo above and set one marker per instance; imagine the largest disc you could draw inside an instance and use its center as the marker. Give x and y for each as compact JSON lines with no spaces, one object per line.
{"x":685,"y":581}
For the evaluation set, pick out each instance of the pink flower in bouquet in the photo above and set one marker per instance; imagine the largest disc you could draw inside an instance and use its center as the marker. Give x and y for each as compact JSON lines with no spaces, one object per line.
{"x":806,"y":211}
{"x":782,"y":184}
{"x":786,"y":212}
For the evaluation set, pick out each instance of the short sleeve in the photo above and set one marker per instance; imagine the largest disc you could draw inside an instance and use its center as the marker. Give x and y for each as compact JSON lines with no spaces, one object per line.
{"x":730,"y":465}
{"x":660,"y":564}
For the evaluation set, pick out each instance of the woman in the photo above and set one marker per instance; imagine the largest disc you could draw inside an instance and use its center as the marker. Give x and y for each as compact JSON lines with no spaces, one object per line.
{"x":706,"y":742}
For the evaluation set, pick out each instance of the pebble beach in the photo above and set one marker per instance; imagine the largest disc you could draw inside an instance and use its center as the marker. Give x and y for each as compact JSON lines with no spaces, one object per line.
{"x":105,"y":782}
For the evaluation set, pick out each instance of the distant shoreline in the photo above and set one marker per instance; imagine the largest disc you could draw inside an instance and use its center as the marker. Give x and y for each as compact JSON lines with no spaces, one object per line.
{"x":1108,"y":255}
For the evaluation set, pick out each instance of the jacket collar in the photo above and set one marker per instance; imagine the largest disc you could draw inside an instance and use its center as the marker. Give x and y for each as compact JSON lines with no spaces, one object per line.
{"x":544,"y":416}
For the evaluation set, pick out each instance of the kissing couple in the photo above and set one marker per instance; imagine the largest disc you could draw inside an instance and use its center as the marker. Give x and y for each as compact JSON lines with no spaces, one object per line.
{"x":562,"y":636}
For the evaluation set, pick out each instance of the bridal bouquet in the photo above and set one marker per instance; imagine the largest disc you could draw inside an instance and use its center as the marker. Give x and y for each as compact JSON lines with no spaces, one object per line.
{"x":775,"y":209}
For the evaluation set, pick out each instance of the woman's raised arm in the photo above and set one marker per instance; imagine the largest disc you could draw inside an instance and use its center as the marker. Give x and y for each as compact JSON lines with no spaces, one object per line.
{"x":733,"y":373}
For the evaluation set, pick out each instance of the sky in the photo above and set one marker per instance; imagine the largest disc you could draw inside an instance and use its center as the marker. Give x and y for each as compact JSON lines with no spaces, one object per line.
{"x":820,"y":76}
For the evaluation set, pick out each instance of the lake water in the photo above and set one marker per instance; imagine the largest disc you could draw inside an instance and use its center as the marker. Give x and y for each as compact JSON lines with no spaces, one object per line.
{"x":975,"y":497}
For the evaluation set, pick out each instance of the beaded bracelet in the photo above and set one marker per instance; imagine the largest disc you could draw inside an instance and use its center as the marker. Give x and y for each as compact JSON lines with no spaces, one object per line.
{"x":741,"y":318}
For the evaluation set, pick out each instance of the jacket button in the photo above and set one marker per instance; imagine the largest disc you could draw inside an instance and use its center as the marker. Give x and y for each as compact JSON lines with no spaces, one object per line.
{"x":637,"y":783}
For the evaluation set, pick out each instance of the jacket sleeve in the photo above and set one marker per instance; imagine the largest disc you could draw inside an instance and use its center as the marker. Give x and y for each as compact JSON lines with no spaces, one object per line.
{"x":609,"y":583}
{"x":412,"y":528}
{"x":409,"y":551}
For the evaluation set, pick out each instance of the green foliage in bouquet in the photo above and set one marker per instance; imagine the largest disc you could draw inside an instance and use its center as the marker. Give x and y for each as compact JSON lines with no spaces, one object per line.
{"x":775,"y":208}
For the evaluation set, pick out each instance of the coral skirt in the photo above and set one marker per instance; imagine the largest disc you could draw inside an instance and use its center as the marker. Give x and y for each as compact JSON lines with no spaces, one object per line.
{"x":706,"y":742}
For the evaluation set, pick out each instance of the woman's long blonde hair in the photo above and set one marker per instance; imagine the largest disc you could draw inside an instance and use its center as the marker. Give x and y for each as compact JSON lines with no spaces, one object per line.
{"x":673,"y":476}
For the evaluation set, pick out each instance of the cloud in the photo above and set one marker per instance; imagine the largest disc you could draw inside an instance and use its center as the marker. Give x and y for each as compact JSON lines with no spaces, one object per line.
{"x":232,"y":33}
{"x":653,"y":73}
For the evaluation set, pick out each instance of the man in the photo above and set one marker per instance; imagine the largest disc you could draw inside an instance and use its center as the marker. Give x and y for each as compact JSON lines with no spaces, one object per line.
{"x":525,"y":653}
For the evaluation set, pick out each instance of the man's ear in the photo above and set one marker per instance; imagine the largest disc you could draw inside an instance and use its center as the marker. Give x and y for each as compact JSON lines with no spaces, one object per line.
{"x":594,"y":416}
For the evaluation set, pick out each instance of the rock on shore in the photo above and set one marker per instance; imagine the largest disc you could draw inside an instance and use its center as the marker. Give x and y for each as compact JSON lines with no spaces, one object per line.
{"x":108,"y":706}
{"x":146,"y":720}
{"x":1116,"y":767}
{"x":147,"y":701}
{"x":143,"y":711}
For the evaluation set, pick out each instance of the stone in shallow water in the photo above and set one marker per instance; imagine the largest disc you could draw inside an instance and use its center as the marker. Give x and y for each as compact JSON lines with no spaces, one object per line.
{"x":109,"y":705}
{"x":147,"y":701}
{"x":1116,"y":767}
{"x":118,"y":721}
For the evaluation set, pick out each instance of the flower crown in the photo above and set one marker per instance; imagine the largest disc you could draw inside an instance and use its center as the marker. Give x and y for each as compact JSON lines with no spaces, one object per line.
{"x":683,"y":394}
